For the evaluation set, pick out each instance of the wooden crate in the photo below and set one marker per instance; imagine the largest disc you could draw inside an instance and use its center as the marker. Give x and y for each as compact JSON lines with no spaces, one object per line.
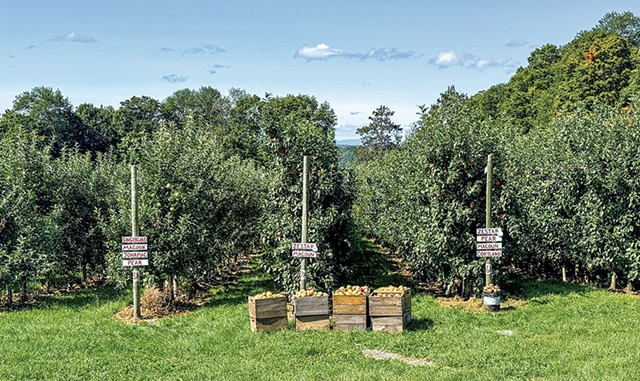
{"x":388,"y":312}
{"x":268,"y":314}
{"x":350,"y":322}
{"x":350,"y":312}
{"x":311,"y":312}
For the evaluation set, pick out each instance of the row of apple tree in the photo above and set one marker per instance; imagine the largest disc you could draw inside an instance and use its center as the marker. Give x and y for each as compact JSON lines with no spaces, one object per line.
{"x":210,"y":190}
{"x":566,"y":196}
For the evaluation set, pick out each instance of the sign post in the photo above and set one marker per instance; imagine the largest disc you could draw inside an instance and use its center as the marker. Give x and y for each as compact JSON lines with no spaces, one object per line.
{"x":305,"y":222}
{"x":135,"y":232}
{"x":488,"y":270}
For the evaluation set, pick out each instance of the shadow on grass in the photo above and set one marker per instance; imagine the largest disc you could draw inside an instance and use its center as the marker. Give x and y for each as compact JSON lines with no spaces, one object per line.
{"x":237,"y":292}
{"x":74,"y":299}
{"x":539,"y":289}
{"x":420,"y":324}
{"x":376,"y":269}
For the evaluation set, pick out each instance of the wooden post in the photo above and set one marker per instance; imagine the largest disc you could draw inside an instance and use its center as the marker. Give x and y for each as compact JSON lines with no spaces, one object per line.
{"x":9,"y":291}
{"x":305,"y":212}
{"x":135,"y":232}
{"x":488,"y":269}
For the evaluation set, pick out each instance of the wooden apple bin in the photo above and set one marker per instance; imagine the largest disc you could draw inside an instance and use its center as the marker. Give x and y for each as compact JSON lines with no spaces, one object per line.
{"x":350,"y":312}
{"x":311,"y":312}
{"x":388,"y":312}
{"x":268,"y":314}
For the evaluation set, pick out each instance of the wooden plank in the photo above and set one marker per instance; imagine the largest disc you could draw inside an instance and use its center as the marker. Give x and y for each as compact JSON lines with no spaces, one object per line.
{"x":389,"y":305}
{"x":311,"y":306}
{"x":319,"y":322}
{"x":350,"y":322}
{"x":392,"y":324}
{"x":350,"y":304}
{"x":268,"y":308}
{"x":269,"y":324}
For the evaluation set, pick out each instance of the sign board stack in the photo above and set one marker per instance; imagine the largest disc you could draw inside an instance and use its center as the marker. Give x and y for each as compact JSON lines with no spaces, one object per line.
{"x":135,"y":251}
{"x":489,"y":242}
{"x":304,"y":250}
{"x":268,"y":314}
{"x":390,"y":311}
{"x":311,"y":312}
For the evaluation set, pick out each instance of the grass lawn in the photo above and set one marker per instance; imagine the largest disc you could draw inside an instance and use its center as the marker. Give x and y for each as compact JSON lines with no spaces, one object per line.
{"x":565,"y":332}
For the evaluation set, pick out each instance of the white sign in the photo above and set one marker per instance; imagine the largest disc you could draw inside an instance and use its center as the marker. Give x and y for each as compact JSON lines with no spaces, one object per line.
{"x":304,"y":246}
{"x":489,"y":231}
{"x":489,"y":238}
{"x":135,"y":262}
{"x":489,"y":246}
{"x":304,"y":254}
{"x":135,"y":254}
{"x":489,"y":253}
{"x":134,"y":247}
{"x":134,"y":239}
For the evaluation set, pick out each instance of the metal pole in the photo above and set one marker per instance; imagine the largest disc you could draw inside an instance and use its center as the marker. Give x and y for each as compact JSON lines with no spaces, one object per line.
{"x":135,"y":232}
{"x":305,"y":222}
{"x":488,"y":269}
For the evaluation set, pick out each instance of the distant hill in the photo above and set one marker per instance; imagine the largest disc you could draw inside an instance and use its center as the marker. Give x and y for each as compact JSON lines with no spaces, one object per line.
{"x":348,"y":142}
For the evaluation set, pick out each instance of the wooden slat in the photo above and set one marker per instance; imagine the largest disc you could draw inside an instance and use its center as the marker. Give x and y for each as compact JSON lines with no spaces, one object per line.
{"x":392,"y":324}
{"x":389,"y":305}
{"x":269,"y":324}
{"x":349,"y":304}
{"x":320,"y":322}
{"x":267,"y":308}
{"x":311,"y":306}
{"x":350,"y":322}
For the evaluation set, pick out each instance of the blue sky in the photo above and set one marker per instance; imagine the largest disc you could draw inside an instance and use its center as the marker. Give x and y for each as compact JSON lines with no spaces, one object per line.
{"x":354,"y":54}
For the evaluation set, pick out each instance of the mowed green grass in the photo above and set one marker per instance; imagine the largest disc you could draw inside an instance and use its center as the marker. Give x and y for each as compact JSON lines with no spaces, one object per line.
{"x":565,"y":332}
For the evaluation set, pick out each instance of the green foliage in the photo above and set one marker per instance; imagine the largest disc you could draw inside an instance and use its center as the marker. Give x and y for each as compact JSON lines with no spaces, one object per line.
{"x":426,"y":199}
{"x":573,"y":195}
{"x":292,"y":127}
{"x":49,"y":114}
{"x":380,"y":135}
{"x":626,"y":24}
{"x":197,"y":207}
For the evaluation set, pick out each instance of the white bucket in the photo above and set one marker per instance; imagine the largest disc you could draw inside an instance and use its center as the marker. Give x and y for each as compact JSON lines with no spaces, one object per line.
{"x":491,"y":300}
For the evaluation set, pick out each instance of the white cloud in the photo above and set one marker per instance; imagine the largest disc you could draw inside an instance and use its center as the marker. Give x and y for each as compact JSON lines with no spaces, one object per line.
{"x":204,"y":49}
{"x":30,"y":47}
{"x":319,"y":52}
{"x":323,"y":52}
{"x":214,"y":68}
{"x":75,"y":37}
{"x":385,"y":54}
{"x":448,"y":59}
{"x":445,"y":60}
{"x":516,"y":43}
{"x":174,"y":78}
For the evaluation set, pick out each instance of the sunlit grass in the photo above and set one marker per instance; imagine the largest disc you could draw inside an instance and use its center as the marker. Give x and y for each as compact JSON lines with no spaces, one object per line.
{"x":563,"y":333}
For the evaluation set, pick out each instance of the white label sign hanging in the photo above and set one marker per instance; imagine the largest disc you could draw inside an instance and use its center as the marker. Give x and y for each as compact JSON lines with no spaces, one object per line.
{"x":304,"y":254}
{"x":135,"y":262}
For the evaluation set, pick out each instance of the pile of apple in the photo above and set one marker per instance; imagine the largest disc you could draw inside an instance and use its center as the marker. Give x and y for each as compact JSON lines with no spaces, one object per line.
{"x":308,"y":292}
{"x":391,"y":291}
{"x":352,"y":290}
{"x":267,"y":295}
{"x":491,"y":288}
